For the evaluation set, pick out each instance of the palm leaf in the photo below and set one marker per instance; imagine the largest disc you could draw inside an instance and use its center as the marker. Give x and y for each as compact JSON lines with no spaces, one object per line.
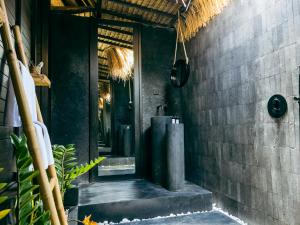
{"x":66,"y":165}
{"x":4,"y":213}
{"x":29,"y":209}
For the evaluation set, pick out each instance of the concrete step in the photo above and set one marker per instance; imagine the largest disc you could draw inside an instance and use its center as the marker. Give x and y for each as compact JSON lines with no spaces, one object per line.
{"x":114,"y":200}
{"x":103,"y":149}
{"x":116,"y":170}
{"x":118,"y":161}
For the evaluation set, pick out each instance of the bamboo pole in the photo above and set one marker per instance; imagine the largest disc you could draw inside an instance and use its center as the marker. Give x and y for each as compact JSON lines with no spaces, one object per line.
{"x":20,"y":49}
{"x":51,"y":169}
{"x":28,"y":127}
{"x":57,"y":196}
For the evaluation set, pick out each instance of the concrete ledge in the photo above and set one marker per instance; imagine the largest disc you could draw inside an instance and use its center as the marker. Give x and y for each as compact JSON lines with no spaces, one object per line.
{"x":113,"y":201}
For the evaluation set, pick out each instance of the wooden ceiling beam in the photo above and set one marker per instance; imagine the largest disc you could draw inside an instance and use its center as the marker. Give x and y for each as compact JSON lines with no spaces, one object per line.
{"x":143,"y":8}
{"x":115,"y":39}
{"x":98,"y":8}
{"x":69,"y":2}
{"x":103,"y":76}
{"x":71,"y":9}
{"x":136,"y":19}
{"x":117,"y":30}
{"x":102,"y":71}
{"x":117,"y":23}
{"x":115,"y":44}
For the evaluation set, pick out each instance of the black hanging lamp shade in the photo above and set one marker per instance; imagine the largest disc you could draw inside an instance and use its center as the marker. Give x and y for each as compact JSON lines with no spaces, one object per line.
{"x":180,"y":73}
{"x":181,"y":69}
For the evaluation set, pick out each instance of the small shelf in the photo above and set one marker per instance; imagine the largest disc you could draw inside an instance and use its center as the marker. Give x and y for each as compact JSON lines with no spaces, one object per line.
{"x":41,"y":80}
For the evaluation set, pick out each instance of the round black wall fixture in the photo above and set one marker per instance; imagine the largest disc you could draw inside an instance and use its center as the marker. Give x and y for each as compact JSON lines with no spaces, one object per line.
{"x":277,"y":106}
{"x":180,"y":73}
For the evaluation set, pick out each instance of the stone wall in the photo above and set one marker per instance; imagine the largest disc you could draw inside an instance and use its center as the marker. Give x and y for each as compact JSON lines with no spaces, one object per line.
{"x":234,"y":148}
{"x":157,"y":50}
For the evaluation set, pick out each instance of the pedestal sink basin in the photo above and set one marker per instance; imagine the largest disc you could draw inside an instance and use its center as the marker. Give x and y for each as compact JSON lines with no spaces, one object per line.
{"x":158,"y":148}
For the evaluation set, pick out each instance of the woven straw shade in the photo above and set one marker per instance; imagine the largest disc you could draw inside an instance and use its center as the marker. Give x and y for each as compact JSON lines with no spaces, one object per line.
{"x":120,"y":63}
{"x":199,"y":14}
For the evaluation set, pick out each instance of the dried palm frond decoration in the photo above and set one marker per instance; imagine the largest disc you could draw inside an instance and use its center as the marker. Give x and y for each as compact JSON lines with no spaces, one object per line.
{"x":200,"y":12}
{"x":57,"y":3}
{"x":120,"y":63}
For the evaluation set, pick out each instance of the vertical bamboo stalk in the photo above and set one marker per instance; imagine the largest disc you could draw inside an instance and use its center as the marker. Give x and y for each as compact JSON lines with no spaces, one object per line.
{"x":28,"y":127}
{"x":20,"y":49}
{"x":57,"y":197}
{"x":51,"y":169}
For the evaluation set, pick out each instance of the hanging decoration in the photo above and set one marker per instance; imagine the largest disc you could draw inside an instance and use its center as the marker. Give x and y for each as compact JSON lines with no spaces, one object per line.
{"x":120,"y":63}
{"x":181,"y":69}
{"x":199,"y":13}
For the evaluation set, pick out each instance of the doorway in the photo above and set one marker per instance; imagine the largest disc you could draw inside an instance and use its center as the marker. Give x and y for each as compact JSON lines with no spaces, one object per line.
{"x":115,"y":101}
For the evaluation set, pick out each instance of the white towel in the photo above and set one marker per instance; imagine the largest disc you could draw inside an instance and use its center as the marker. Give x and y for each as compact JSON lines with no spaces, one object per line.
{"x":29,"y":88}
{"x":41,"y":129}
{"x":45,"y":144}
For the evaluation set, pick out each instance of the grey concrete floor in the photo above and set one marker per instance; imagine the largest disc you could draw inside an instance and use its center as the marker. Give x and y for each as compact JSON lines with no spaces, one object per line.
{"x":207,"y":218}
{"x":129,"y":190}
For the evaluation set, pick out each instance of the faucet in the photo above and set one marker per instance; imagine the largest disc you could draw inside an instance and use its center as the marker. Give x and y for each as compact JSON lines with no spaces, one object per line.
{"x":161,"y":109}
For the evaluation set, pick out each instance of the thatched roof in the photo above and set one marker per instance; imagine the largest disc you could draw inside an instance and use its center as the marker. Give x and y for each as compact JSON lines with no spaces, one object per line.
{"x":200,"y":12}
{"x":118,"y":17}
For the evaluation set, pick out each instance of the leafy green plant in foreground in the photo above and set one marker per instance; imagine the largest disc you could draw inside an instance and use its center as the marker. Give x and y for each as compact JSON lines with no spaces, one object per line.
{"x":4,"y":212}
{"x":29,"y":207}
{"x":67,"y":168}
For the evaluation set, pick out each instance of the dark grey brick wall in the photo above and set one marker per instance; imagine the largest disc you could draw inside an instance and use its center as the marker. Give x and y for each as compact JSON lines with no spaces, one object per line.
{"x":234,"y":148}
{"x":157,"y":50}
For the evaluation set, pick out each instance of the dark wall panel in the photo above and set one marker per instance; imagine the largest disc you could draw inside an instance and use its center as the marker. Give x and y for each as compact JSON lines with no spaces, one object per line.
{"x":70,"y":92}
{"x":157,"y":51}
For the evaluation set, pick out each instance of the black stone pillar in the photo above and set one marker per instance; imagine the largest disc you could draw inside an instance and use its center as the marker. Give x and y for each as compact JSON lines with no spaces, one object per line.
{"x":158,"y":148}
{"x":175,"y":156}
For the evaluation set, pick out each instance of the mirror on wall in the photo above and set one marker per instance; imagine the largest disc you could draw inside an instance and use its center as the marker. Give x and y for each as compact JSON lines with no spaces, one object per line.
{"x":104,"y":116}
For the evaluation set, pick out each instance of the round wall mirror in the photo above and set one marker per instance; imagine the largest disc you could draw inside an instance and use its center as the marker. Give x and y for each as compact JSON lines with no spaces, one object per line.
{"x":180,"y":73}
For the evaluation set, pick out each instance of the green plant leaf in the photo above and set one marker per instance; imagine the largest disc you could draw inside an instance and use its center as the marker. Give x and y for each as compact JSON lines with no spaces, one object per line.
{"x":4,"y":213}
{"x":29,"y":189}
{"x":28,"y":176}
{"x":29,"y":207}
{"x":3,"y":185}
{"x":3,"y":199}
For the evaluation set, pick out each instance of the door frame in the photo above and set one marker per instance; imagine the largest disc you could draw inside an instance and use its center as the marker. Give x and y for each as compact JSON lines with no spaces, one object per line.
{"x":138,"y":104}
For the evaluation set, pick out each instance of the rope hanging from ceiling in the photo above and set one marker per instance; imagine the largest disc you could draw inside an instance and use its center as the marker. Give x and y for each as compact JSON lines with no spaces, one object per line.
{"x":199,"y":13}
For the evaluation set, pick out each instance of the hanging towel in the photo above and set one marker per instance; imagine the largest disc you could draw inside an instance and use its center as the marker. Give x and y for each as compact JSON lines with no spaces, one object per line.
{"x":40,"y":138}
{"x":29,"y":88}
{"x":41,"y":129}
{"x":45,"y":144}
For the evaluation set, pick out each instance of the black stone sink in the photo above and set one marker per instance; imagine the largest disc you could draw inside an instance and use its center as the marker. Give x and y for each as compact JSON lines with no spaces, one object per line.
{"x":158,"y":148}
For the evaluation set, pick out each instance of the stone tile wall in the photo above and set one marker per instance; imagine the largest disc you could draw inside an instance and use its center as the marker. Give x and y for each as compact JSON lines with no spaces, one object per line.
{"x":234,"y":148}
